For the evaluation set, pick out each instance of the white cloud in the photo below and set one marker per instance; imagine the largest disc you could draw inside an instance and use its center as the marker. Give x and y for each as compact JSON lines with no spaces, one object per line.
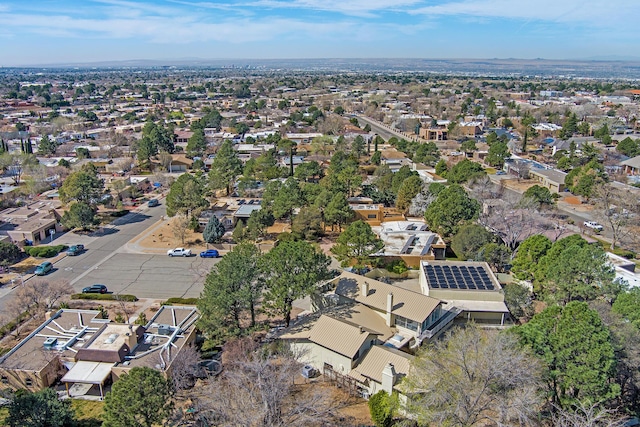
{"x":175,"y":30}
{"x":361,"y":8}
{"x":596,"y":12}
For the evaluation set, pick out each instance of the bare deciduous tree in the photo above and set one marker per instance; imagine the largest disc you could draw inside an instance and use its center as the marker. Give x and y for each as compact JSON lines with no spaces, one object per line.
{"x":259,"y":390}
{"x":472,"y":378}
{"x":421,"y":202}
{"x":184,"y":367}
{"x":126,"y":309}
{"x":591,"y":416}
{"x":513,"y":218}
{"x":179,"y":227}
{"x":36,"y":297}
{"x":618,"y":210}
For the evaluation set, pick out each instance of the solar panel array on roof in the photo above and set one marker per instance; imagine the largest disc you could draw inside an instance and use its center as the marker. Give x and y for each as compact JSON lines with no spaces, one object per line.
{"x":458,"y":277}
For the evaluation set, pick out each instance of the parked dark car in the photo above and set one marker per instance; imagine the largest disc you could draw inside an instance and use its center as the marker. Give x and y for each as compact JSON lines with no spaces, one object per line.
{"x":209,"y":253}
{"x":153,"y":202}
{"x":95,"y":289}
{"x":43,"y":268}
{"x":75,"y":250}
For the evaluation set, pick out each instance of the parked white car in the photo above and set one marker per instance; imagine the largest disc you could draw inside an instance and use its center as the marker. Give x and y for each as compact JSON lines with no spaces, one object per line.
{"x":179,"y":252}
{"x":593,"y":225}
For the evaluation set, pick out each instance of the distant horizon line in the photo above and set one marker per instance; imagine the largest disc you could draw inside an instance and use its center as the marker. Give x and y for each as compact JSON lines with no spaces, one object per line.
{"x":192,"y":60}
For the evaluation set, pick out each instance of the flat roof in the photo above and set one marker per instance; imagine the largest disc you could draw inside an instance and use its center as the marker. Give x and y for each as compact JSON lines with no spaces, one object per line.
{"x":244,"y":211}
{"x":551,"y":174}
{"x":479,"y":306}
{"x":112,"y":337}
{"x":88,"y":372}
{"x":147,"y":353}
{"x":471,"y":277}
{"x":459,"y":275}
{"x":67,"y":331}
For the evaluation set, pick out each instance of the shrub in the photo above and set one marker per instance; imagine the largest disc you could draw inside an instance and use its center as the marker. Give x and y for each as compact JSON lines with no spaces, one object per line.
{"x":624,"y":253}
{"x":141,"y":320}
{"x":381,"y":409}
{"x":397,"y":266}
{"x":106,"y":297}
{"x":185,"y":301}
{"x":45,"y":251}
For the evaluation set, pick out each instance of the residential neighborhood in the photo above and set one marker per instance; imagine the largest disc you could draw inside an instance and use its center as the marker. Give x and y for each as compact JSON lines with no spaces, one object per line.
{"x":357,"y":236}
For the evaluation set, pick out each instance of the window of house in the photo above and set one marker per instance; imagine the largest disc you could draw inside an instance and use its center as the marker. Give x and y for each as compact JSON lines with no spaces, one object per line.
{"x":28,"y":382}
{"x":406,"y":323}
{"x":372,"y":216}
{"x":5,"y":380}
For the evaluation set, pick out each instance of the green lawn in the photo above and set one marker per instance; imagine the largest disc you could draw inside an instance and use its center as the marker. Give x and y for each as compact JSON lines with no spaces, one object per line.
{"x":88,"y":412}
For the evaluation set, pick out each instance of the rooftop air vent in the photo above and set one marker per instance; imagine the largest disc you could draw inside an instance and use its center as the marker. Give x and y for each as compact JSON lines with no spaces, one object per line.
{"x":49,"y":343}
{"x":165,"y":329}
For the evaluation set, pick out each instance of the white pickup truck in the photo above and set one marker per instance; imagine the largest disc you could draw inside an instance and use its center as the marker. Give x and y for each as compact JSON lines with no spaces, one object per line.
{"x":593,"y":225}
{"x":179,"y":252}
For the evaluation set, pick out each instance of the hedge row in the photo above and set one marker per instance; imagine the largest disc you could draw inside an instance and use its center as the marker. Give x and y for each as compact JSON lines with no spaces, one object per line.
{"x":106,"y":297}
{"x":45,"y":251}
{"x":185,"y":301}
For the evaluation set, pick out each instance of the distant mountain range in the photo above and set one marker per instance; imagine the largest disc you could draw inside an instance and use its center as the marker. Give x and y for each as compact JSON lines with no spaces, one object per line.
{"x":602,"y":68}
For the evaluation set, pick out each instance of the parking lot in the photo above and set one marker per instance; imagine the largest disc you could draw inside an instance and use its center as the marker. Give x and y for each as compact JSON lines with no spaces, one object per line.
{"x":150,"y":276}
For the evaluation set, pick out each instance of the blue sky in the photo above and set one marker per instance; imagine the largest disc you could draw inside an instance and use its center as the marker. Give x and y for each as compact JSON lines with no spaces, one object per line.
{"x":63,"y":31}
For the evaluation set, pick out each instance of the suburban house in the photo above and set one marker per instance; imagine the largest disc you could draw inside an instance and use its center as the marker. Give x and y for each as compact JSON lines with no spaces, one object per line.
{"x":412,"y":316}
{"x":381,"y":368}
{"x":434,"y":133}
{"x":224,"y":215}
{"x":303,"y":138}
{"x":468,"y":288}
{"x":410,"y":241}
{"x":245,"y":210}
{"x":32,"y":223}
{"x":86,"y":352}
{"x":181,"y":137}
{"x":470,"y":129}
{"x":551,"y":179}
{"x":375,"y":214}
{"x":179,"y":163}
{"x":366,"y":330}
{"x":631,"y":166}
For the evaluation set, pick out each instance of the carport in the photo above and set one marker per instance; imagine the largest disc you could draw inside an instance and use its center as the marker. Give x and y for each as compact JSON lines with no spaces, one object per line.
{"x":88,"y":373}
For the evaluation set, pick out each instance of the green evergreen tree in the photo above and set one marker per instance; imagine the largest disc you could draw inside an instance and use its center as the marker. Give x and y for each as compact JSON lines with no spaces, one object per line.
{"x":214,"y":230}
{"x":225,"y":168}
{"x":140,"y":398}
{"x":291,"y":271}
{"x":40,"y":409}
{"x":358,"y":242}
{"x":575,"y":347}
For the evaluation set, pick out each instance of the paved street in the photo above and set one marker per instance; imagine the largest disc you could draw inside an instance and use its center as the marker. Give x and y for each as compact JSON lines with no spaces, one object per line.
{"x":376,"y":128}
{"x":125,"y":268}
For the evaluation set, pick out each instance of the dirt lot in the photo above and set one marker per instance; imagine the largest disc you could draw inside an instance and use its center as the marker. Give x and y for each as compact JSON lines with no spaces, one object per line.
{"x":163,"y":237}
